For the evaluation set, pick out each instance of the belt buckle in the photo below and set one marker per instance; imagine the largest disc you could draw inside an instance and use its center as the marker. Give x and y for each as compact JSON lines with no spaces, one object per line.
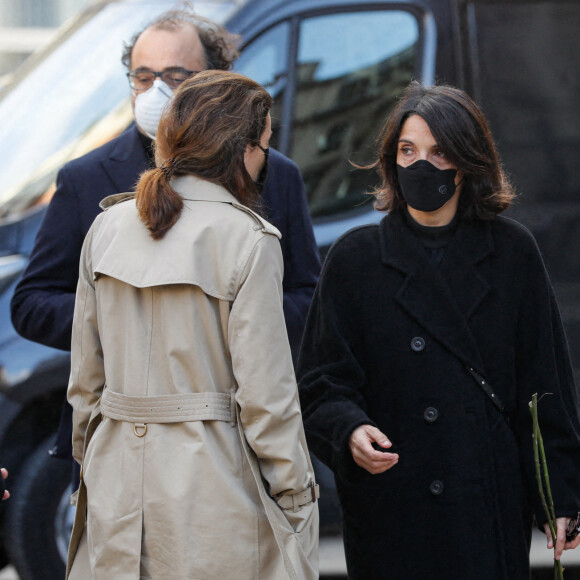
{"x":313,"y":491}
{"x":140,"y":429}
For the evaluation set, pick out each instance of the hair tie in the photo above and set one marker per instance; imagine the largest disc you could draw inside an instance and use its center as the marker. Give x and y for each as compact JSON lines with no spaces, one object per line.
{"x":167,"y":170}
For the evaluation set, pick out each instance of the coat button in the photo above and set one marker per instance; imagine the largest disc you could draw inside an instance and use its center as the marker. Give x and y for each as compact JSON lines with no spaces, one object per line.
{"x":431,"y":414}
{"x":418,"y":344}
{"x":436,"y":487}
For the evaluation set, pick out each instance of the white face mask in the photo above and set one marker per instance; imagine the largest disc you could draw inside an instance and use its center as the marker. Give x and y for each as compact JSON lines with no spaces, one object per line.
{"x":149,"y":106}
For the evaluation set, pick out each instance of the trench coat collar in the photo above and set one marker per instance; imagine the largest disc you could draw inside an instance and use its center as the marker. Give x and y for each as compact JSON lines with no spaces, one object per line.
{"x":192,"y":188}
{"x":442,"y":300}
{"x":189,"y":188}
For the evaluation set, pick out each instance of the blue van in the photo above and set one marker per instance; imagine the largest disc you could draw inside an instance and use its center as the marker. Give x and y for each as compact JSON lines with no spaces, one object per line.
{"x":335,"y":68}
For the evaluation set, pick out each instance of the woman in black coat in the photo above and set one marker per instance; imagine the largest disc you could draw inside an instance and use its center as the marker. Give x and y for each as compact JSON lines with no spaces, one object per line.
{"x":427,"y":337}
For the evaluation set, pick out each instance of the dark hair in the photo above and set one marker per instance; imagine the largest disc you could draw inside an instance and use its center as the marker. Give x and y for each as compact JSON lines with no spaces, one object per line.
{"x":211,"y":119}
{"x":462,"y":133}
{"x":220,"y":46}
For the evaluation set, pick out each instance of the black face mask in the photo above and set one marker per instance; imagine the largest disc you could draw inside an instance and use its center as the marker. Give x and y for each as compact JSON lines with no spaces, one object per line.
{"x":424,"y":187}
{"x":260,"y":182}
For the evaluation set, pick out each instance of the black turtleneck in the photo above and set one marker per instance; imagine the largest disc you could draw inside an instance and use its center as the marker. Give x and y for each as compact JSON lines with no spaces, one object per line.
{"x":434,"y":239}
{"x":147,"y":143}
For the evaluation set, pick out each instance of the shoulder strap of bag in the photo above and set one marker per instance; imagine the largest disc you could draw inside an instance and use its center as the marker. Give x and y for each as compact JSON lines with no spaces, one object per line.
{"x":487,"y":389}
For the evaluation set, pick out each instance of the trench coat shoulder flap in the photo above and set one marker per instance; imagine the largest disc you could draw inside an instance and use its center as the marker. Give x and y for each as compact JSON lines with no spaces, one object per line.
{"x":441,"y":300}
{"x":208,"y":246}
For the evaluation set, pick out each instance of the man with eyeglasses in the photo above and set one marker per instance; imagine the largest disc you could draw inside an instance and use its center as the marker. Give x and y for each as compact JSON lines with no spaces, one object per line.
{"x":176,"y":45}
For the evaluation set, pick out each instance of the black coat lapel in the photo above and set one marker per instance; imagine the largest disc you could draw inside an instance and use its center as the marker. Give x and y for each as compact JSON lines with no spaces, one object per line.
{"x":471,"y":245}
{"x":126,"y":161}
{"x":441,"y":300}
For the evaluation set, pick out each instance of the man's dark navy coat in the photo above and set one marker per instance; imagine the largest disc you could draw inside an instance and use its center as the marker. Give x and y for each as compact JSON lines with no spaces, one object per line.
{"x":43,"y":303}
{"x":388,"y":341}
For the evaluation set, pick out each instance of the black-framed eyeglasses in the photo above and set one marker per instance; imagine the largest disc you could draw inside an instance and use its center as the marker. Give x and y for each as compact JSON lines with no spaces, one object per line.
{"x":142,"y":79}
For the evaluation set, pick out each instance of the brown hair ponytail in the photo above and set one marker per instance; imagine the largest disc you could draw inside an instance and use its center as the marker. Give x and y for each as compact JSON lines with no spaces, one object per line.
{"x":159,"y":205}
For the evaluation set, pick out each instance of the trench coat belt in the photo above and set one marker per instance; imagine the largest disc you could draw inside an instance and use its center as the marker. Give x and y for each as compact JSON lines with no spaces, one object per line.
{"x":178,"y":408}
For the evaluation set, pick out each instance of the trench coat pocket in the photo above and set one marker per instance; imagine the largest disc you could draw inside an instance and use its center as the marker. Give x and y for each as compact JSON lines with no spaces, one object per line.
{"x":299,"y":508}
{"x":296,"y":533}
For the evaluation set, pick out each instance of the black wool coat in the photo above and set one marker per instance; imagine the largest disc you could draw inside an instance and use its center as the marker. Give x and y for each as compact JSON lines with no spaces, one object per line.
{"x":388,"y":341}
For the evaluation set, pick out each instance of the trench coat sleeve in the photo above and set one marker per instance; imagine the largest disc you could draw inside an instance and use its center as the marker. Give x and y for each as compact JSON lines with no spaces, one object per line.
{"x":87,"y":377}
{"x":267,"y":393}
{"x":331,"y":375}
{"x":543,"y":367}
{"x":43,"y":302}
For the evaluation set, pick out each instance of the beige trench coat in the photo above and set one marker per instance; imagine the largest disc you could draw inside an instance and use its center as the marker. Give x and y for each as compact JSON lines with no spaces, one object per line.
{"x":186,"y":417}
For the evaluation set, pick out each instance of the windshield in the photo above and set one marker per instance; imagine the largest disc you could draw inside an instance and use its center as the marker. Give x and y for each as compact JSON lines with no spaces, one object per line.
{"x":75,"y":99}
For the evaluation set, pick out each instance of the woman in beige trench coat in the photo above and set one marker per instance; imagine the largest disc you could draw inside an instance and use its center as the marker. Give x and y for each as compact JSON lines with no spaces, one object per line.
{"x":186,"y":419}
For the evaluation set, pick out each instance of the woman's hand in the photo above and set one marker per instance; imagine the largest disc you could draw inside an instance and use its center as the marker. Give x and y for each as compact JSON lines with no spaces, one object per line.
{"x":365,"y":455}
{"x":561,"y":543}
{"x":6,"y":493}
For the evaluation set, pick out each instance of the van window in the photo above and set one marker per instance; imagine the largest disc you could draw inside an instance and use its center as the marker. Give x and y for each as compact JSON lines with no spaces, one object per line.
{"x":350,"y":69}
{"x":265,"y":61}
